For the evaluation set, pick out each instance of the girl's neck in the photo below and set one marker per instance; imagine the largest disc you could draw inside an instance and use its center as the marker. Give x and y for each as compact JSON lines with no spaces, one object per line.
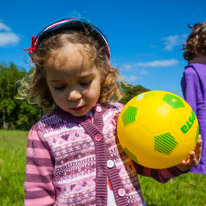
{"x":198,"y":59}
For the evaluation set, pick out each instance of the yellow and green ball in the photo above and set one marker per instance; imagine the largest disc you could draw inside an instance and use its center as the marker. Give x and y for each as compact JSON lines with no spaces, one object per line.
{"x":157,"y":129}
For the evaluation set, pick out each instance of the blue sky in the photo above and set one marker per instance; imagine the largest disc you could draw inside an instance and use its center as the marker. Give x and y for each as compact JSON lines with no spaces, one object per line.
{"x":145,"y":37}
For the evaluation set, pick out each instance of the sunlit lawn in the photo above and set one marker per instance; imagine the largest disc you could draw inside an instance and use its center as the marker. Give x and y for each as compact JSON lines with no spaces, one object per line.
{"x":185,"y":190}
{"x":12,"y":167}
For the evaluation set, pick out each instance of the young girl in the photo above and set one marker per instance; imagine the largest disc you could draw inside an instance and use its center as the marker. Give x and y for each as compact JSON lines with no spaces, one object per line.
{"x":194,"y":83}
{"x":73,"y":155}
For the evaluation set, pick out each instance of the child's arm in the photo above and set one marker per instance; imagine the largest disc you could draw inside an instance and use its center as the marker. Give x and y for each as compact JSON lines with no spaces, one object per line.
{"x":163,"y":175}
{"x":39,"y":189}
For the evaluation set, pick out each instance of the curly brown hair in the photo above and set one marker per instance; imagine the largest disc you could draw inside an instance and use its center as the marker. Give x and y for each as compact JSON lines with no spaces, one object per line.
{"x":35,"y":88}
{"x":197,"y":40}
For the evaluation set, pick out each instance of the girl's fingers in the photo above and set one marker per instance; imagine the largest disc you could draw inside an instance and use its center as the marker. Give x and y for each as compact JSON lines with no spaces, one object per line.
{"x":193,"y":157}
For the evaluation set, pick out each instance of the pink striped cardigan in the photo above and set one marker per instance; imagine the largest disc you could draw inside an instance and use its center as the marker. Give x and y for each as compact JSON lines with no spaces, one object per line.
{"x":69,"y":160}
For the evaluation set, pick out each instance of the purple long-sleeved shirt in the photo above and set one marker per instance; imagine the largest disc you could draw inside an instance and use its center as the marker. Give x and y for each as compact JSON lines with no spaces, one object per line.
{"x":194,"y":90}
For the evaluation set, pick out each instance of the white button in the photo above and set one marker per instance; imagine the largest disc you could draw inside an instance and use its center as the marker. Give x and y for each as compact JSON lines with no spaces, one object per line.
{"x":98,"y":137}
{"x":98,"y":109}
{"x":121,"y":192}
{"x":110,"y":163}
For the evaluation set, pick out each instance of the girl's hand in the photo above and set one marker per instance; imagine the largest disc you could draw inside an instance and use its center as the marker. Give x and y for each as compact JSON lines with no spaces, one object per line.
{"x":193,"y":158}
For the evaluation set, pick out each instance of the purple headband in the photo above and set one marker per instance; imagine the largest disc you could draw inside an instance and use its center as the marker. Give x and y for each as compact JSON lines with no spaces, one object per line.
{"x":67,"y":24}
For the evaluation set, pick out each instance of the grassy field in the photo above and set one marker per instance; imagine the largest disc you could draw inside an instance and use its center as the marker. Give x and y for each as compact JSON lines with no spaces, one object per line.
{"x":185,"y":190}
{"x":12,"y":167}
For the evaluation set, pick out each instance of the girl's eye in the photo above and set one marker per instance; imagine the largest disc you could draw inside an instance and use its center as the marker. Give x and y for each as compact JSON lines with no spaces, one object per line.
{"x":84,"y":84}
{"x":59,"y":88}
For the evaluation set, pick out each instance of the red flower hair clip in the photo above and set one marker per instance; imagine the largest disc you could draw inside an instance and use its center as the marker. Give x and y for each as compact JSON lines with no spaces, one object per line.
{"x":32,"y":48}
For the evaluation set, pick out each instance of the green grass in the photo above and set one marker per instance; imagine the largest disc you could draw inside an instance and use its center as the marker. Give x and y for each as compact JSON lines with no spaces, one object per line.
{"x":185,"y":190}
{"x":12,"y":167}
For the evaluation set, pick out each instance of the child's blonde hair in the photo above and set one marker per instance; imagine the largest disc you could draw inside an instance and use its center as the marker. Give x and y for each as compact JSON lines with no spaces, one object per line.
{"x":35,"y":86}
{"x":197,"y":40}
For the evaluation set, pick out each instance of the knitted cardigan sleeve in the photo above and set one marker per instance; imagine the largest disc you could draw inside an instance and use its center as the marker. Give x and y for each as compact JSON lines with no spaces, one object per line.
{"x":161,"y":175}
{"x":39,"y":189}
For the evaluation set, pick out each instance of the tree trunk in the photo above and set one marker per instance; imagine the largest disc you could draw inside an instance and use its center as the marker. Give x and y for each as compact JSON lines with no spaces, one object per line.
{"x":4,"y":123}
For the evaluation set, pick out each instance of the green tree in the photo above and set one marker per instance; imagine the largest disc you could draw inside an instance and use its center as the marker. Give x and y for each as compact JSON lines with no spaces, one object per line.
{"x":14,"y":113}
{"x":131,"y":91}
{"x":17,"y":113}
{"x":8,"y":77}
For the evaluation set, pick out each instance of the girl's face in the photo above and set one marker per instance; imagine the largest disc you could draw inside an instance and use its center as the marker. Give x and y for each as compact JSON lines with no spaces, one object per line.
{"x":73,"y":80}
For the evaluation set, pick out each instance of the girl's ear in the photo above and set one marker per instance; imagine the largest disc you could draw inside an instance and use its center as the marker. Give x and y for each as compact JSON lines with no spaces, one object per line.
{"x":197,"y":53}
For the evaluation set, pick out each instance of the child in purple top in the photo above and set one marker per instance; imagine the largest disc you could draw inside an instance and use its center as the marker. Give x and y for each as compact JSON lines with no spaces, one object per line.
{"x":73,"y":155}
{"x":194,"y":83}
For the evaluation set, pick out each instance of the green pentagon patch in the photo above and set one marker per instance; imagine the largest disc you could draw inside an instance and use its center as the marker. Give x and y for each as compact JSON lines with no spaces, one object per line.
{"x":131,"y":155}
{"x":173,"y":101}
{"x":165,"y":143}
{"x":150,"y":94}
{"x":197,"y":134}
{"x":129,"y":115}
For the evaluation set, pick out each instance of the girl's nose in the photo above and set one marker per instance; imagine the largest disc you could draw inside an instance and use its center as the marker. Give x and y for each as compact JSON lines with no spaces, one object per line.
{"x":74,"y":96}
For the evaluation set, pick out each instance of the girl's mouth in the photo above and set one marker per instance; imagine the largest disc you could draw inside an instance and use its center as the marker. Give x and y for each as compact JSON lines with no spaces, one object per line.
{"x":78,"y":109}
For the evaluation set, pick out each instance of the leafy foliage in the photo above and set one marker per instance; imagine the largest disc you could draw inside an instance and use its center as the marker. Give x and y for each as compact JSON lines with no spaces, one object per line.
{"x":131,"y":91}
{"x":15,"y":113}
